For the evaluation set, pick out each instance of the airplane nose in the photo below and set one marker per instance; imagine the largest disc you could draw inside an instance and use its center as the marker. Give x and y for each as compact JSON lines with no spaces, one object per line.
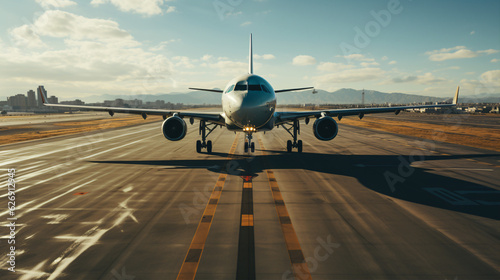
{"x":251,"y":109}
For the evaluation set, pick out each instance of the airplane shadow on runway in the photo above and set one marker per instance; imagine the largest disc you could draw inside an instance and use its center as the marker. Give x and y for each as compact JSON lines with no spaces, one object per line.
{"x":393,"y":175}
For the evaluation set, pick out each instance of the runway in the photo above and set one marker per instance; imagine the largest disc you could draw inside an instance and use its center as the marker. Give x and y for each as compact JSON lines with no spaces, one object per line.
{"x":129,"y":204}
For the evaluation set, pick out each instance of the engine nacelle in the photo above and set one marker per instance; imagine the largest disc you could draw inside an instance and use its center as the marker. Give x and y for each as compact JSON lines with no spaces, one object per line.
{"x":325,"y":128}
{"x":174,"y":128}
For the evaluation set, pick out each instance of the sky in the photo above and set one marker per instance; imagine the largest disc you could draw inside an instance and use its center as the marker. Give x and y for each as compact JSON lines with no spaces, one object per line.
{"x":132,"y":47}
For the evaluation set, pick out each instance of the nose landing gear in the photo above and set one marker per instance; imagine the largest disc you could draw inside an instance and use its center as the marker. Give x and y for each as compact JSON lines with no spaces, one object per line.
{"x":249,"y":144}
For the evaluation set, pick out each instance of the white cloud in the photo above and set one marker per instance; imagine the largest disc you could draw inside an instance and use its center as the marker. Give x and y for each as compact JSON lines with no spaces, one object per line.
{"x":488,"y":82}
{"x":304,"y":60}
{"x":368,"y":64}
{"x":491,"y":78}
{"x":182,"y":61}
{"x":161,"y":46}
{"x":393,"y":62}
{"x":207,"y":57}
{"x":86,"y":54}
{"x":229,"y":68}
{"x":356,"y":57}
{"x":490,"y":51}
{"x":495,"y":60}
{"x":472,"y":32}
{"x":457,"y":52}
{"x":246,"y":23}
{"x":350,"y":76}
{"x":264,"y":56}
{"x":143,"y":7}
{"x":384,"y":58}
{"x":25,"y":36}
{"x":171,"y":9}
{"x":61,"y":24}
{"x":425,"y":79}
{"x":47,"y":4}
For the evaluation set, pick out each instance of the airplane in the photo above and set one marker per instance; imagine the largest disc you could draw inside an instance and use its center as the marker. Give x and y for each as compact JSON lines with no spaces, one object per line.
{"x":249,"y":106}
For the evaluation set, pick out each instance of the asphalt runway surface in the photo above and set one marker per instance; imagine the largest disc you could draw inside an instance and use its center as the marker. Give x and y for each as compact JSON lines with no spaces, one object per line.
{"x":129,"y":204}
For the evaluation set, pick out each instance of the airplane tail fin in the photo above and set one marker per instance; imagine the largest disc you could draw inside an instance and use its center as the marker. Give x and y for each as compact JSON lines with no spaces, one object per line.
{"x":250,"y":57}
{"x":43,"y":95}
{"x":455,"y":99}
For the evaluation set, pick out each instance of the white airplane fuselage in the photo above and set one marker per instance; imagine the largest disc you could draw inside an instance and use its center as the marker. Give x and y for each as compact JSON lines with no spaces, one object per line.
{"x":249,"y":102}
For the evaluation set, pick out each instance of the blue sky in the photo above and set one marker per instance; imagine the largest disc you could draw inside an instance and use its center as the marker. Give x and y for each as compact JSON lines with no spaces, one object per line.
{"x":132,"y":47}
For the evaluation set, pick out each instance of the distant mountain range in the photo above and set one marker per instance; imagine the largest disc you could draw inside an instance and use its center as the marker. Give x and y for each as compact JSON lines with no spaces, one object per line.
{"x":342,"y":96}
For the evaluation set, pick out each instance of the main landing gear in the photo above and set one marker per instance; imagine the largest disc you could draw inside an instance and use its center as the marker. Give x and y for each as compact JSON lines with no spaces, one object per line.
{"x":295,"y":126}
{"x":203,"y":132}
{"x":249,"y":144}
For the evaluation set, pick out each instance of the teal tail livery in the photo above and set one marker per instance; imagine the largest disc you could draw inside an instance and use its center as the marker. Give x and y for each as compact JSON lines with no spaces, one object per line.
{"x":249,"y":106}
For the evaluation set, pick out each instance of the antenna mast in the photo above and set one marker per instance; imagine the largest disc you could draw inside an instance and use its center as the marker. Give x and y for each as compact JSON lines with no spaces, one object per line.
{"x":363,"y":98}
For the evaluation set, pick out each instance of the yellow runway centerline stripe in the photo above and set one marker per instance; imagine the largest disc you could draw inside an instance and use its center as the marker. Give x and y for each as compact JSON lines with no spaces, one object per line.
{"x":193,"y":256}
{"x":246,"y":220}
{"x":297,"y":259}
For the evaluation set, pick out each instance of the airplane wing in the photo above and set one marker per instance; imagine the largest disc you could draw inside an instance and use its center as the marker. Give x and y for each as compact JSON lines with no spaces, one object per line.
{"x":292,"y":89}
{"x":283,"y":117}
{"x":211,"y":117}
{"x":206,"y":89}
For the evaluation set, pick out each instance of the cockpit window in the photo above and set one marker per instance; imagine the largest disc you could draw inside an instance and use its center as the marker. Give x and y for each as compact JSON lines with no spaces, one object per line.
{"x":264,"y":88}
{"x":241,"y":86}
{"x":229,"y":89}
{"x":254,"y":87}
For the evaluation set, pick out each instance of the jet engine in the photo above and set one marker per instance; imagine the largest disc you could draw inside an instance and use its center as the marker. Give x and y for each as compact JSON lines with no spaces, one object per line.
{"x":174,"y":128}
{"x":325,"y":128}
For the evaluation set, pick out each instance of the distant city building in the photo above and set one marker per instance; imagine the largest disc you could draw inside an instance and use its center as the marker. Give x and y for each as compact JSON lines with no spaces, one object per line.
{"x":108,"y":103}
{"x":4,"y":106}
{"x":53,"y":99}
{"x":32,"y":99}
{"x":158,"y":104}
{"x":18,"y":101}
{"x":136,"y":103}
{"x":114,"y":103}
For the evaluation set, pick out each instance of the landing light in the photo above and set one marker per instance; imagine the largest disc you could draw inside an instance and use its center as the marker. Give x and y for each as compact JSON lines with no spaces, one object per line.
{"x":249,"y":128}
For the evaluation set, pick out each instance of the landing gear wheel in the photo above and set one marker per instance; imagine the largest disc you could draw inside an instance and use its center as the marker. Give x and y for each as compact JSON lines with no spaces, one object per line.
{"x":246,"y":147}
{"x":299,"y":146}
{"x":252,"y":147}
{"x":198,"y":146}
{"x":289,"y":146}
{"x":209,"y":146}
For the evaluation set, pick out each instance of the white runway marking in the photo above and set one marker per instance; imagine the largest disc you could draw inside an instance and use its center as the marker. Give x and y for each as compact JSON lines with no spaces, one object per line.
{"x":20,"y":159}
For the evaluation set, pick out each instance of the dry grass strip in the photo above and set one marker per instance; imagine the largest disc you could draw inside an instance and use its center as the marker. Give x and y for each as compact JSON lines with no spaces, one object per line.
{"x":485,"y":138}
{"x":77,"y":127}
